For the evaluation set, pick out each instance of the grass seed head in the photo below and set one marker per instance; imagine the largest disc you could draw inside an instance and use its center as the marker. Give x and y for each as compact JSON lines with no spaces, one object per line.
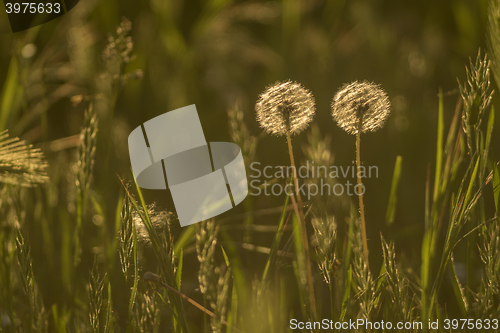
{"x":87,"y":151}
{"x":20,"y":163}
{"x":325,"y":235}
{"x":285,"y":107}
{"x":360,"y":100}
{"x":476,"y":94}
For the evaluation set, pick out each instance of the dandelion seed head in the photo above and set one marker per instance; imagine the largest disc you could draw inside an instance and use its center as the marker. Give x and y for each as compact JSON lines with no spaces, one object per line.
{"x":360,"y":100}
{"x":285,"y":107}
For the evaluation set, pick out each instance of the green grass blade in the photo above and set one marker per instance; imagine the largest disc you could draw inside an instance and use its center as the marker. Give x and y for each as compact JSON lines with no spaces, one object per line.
{"x":233,"y":311}
{"x":271,"y":258}
{"x":107,"y":325}
{"x":457,"y":288}
{"x":232,"y":314}
{"x":163,"y":260}
{"x":233,"y":261}
{"x":463,"y":206}
{"x":178,"y":272}
{"x":452,"y":132}
{"x":426,"y":254}
{"x":300,"y":267}
{"x":302,"y":297}
{"x":391,"y":207}
{"x":11,"y":94}
{"x":348,"y":245}
{"x":496,"y":188}
{"x":136,"y":276}
{"x":470,"y":188}
{"x":347,"y":291}
{"x":226,"y":258}
{"x":424,"y":277}
{"x":439,"y":146}
{"x":186,"y":237}
{"x":113,"y":248}
{"x":453,"y":155}
{"x":489,"y":131}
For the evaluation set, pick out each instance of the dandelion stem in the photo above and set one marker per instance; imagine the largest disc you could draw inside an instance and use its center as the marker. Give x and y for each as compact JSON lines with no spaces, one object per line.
{"x":303,"y":232}
{"x":360,"y":192}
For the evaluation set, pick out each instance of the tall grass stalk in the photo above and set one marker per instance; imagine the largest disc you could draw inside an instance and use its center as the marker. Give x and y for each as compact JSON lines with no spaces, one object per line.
{"x":467,"y":209}
{"x":164,"y":258}
{"x":84,"y":170}
{"x":95,"y":288}
{"x":35,"y":321}
{"x":435,"y":199}
{"x":128,"y":253}
{"x":213,"y":278}
{"x":325,"y":236}
{"x":127,"y":235}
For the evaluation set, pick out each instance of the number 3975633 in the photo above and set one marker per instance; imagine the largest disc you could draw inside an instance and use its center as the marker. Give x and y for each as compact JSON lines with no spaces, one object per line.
{"x":32,"y":8}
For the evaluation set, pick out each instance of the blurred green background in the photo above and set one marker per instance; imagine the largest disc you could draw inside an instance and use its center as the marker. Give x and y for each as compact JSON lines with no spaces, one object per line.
{"x":218,"y":53}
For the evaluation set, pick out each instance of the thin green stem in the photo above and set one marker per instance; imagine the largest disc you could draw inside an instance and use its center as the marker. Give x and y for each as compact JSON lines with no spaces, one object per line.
{"x":360,"y":193}
{"x":333,"y":298}
{"x":303,"y":232}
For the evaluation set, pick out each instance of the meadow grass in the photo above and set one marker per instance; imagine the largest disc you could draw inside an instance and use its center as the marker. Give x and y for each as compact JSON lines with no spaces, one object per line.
{"x":83,"y":252}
